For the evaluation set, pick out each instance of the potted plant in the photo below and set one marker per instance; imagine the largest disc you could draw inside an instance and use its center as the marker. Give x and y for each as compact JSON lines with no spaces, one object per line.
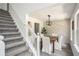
{"x":44,"y":31}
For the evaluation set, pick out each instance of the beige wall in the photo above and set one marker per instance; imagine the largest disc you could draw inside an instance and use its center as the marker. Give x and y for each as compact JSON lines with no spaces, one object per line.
{"x":60,"y":27}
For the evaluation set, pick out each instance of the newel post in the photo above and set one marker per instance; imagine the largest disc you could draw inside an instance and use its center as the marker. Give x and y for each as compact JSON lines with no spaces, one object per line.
{"x":38,"y":44}
{"x":2,"y":46}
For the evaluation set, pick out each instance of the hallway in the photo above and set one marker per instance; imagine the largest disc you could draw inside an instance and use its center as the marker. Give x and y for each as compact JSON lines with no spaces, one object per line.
{"x":24,"y":26}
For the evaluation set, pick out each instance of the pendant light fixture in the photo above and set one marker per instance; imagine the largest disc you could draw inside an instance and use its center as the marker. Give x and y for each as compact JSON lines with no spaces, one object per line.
{"x":49,"y":22}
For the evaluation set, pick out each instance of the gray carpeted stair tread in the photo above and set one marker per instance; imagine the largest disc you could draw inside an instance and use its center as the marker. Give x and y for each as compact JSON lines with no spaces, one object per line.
{"x":7,"y":25}
{"x":6,"y":22}
{"x":6,"y":18}
{"x":10,"y":33}
{"x":4,"y":15}
{"x":14,"y":44}
{"x":13,"y":38}
{"x":16,"y":51}
{"x":25,"y":53}
{"x":8,"y":29}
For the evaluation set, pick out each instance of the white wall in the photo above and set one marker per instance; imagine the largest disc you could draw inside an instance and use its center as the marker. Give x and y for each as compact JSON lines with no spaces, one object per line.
{"x":75,"y":51}
{"x":57,"y":11}
{"x":26,"y":8}
{"x":34,"y":20}
{"x":3,"y":6}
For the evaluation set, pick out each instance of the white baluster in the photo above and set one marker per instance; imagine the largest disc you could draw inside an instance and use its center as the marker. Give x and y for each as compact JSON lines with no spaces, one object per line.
{"x":2,"y":46}
{"x":38,"y":44}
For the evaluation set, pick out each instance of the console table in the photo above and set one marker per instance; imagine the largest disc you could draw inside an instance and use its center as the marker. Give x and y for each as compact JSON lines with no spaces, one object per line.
{"x":52,"y":40}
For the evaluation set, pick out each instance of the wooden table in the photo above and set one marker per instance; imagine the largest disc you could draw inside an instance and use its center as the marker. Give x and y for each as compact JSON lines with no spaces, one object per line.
{"x":52,"y":40}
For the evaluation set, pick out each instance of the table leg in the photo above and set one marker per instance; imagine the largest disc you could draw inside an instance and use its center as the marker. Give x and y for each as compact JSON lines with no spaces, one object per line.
{"x":53,"y":46}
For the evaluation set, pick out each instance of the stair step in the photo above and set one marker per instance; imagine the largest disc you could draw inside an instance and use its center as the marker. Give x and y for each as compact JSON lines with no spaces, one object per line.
{"x":16,"y":51}
{"x":4,"y":11}
{"x":8,"y":30}
{"x":10,"y":33}
{"x":4,"y":24}
{"x":15,"y":48}
{"x":14,"y":44}
{"x":13,"y":38}
{"x":13,"y":41}
{"x":7,"y":22}
{"x":9,"y":36}
{"x":5,"y":19}
{"x":25,"y":53}
{"x":7,"y":25}
{"x":6,"y":16}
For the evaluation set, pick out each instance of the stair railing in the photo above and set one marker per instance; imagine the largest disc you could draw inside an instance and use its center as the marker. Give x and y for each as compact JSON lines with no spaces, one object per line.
{"x":23,"y":28}
{"x":2,"y":46}
{"x":38,"y":44}
{"x":37,"y":38}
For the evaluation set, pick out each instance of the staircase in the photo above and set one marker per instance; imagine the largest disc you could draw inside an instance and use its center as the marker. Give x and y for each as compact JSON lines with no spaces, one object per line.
{"x":14,"y":43}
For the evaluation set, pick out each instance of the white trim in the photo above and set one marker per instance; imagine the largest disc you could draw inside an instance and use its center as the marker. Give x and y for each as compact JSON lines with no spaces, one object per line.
{"x":71,"y":29}
{"x":38,"y":44}
{"x":2,"y":46}
{"x":77,"y":48}
{"x":75,"y":26}
{"x":75,"y":32}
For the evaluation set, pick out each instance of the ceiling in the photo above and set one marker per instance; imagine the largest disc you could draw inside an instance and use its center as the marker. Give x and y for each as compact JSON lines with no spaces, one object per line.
{"x":58,"y":11}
